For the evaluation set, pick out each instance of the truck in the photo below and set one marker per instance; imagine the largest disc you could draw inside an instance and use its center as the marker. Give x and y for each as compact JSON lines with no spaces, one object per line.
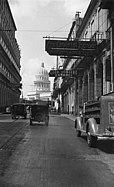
{"x":39,"y":112}
{"x":18,"y":110}
{"x":96,"y":120}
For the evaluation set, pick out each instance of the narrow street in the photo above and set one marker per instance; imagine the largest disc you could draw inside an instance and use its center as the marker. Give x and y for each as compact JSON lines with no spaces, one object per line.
{"x":41,"y":156}
{"x":57,"y":67}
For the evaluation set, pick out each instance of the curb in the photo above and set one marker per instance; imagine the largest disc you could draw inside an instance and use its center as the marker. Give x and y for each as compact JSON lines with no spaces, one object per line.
{"x":71,"y":117}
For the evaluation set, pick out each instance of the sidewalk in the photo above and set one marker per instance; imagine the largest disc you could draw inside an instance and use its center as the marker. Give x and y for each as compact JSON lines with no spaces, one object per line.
{"x":69,"y":116}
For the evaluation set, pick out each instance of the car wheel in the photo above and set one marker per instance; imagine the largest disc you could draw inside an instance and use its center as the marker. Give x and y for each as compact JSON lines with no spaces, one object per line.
{"x":46,"y":121}
{"x":30,"y":122}
{"x":78,"y":133}
{"x":25,"y":117}
{"x":91,"y":140}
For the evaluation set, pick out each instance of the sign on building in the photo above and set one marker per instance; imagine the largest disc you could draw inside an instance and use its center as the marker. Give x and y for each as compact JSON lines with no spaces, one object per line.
{"x":70,"y":48}
{"x":62,"y":73}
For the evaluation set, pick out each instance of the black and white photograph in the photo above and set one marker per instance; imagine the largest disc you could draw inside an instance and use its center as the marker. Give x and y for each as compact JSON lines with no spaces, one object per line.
{"x":56,"y":93}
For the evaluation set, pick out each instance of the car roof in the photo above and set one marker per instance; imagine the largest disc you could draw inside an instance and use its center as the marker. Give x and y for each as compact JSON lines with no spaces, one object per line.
{"x":18,"y":104}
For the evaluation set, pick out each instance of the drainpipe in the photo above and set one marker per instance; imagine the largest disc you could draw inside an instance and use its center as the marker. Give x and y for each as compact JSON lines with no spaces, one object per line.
{"x":75,"y":96}
{"x":112,"y":66}
{"x":112,"y":53}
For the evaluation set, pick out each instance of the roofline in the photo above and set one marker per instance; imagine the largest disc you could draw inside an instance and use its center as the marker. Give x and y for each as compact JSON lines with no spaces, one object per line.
{"x":72,"y":27}
{"x":11,"y":14}
{"x":86,"y":16}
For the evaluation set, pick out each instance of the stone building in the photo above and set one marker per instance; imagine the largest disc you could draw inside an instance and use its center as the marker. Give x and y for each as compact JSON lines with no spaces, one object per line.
{"x":94,"y":72}
{"x":90,"y":54}
{"x":41,"y":88}
{"x":9,"y":58}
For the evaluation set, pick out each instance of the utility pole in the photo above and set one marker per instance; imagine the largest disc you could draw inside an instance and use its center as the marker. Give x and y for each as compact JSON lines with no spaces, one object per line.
{"x":75,"y":97}
{"x":77,"y":20}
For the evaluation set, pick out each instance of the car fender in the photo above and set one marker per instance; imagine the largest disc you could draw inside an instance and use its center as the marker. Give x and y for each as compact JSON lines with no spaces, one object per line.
{"x":78,"y":123}
{"x":91,"y":126}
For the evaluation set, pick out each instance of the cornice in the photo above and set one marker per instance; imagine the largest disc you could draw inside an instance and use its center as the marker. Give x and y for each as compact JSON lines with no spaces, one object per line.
{"x":87,"y":16}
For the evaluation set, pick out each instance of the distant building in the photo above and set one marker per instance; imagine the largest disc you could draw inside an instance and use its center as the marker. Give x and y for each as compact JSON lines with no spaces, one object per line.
{"x":41,"y":85}
{"x":9,"y":58}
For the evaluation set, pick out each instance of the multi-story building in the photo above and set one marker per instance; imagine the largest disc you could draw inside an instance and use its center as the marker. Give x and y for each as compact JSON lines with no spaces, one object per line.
{"x":9,"y":58}
{"x":91,"y":56}
{"x":94,"y":71}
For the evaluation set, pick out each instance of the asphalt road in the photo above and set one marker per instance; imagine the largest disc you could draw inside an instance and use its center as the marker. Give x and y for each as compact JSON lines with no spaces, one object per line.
{"x":41,"y":156}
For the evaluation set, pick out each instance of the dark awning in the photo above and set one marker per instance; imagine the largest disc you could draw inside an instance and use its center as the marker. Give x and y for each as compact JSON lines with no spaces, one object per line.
{"x":70,"y":48}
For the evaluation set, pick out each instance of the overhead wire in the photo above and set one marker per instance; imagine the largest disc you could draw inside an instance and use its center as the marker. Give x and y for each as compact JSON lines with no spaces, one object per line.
{"x":50,"y":32}
{"x":60,"y":28}
{"x":26,"y":30}
{"x":70,"y":23}
{"x":57,"y":30}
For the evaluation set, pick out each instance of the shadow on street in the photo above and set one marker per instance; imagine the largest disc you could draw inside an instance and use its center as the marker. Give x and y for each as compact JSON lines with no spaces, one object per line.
{"x":106,"y":146}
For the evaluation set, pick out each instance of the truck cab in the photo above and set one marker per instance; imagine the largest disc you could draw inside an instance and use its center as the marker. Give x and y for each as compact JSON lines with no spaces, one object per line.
{"x":97,"y":120}
{"x":39,"y":112}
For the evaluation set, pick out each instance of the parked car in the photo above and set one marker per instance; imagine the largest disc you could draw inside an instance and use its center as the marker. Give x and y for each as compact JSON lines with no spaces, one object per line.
{"x":97,"y":121}
{"x":18,"y":110}
{"x":39,"y":113}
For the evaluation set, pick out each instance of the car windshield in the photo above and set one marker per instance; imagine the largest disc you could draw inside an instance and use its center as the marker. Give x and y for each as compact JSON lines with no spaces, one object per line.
{"x":18,"y":107}
{"x":38,"y":107}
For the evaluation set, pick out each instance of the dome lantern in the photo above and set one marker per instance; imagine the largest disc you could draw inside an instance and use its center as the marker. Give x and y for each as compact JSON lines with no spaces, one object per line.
{"x":42,"y":65}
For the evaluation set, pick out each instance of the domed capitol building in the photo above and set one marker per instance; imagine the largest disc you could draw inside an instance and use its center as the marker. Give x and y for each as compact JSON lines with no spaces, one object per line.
{"x":41,"y":87}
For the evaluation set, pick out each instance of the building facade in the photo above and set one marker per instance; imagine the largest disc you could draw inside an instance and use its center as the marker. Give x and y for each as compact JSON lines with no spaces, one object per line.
{"x":89,"y":51}
{"x":9,"y":58}
{"x":94,"y":72}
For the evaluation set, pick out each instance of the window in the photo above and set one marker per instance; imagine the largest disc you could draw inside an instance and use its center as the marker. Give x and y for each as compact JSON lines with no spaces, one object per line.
{"x":92,"y":27}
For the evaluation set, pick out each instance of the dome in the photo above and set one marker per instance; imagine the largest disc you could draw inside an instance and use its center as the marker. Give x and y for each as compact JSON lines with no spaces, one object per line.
{"x":42,"y":74}
{"x":42,"y":71}
{"x":42,"y":82}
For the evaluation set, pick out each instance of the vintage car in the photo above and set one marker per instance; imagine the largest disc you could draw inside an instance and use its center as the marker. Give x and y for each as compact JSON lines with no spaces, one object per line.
{"x":18,"y":110}
{"x":39,"y":112}
{"x":97,"y":120}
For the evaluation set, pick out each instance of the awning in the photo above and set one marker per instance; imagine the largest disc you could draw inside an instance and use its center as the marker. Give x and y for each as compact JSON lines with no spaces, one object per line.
{"x":70,"y":48}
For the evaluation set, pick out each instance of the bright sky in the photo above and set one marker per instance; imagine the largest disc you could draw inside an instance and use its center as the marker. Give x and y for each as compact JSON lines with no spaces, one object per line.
{"x":36,"y":19}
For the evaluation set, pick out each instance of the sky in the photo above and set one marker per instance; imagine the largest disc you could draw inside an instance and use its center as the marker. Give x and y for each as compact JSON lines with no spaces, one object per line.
{"x":35,"y":20}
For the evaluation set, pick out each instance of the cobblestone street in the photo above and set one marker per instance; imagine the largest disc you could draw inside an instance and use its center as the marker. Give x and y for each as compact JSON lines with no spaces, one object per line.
{"x":11,"y":133}
{"x":38,"y":156}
